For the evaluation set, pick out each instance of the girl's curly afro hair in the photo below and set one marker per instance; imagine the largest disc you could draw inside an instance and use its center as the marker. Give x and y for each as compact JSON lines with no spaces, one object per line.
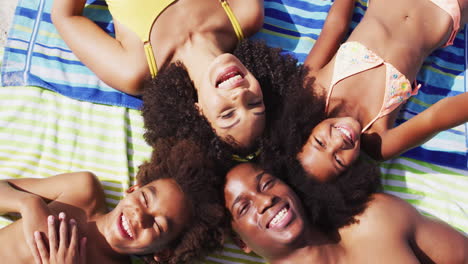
{"x":330,"y":205}
{"x":169,"y":99}
{"x":188,"y":167}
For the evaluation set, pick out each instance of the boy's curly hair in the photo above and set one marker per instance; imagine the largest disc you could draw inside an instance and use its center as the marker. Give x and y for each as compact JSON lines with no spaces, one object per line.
{"x":187,"y":165}
{"x":330,"y":205}
{"x":169,"y":99}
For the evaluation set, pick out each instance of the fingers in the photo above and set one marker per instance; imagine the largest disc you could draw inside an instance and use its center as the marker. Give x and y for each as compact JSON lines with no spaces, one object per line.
{"x":53,"y":244}
{"x":32,"y":244}
{"x":63,"y":232}
{"x":83,"y":250}
{"x":43,"y":252}
{"x":74,"y":234}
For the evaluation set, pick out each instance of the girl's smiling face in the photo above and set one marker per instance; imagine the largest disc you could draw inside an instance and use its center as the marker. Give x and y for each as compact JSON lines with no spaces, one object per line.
{"x":149,"y":218}
{"x":333,"y":145}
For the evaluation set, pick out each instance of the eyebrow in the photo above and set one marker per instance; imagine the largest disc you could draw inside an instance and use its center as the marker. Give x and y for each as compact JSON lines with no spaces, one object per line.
{"x":258,"y":177}
{"x":152,"y":189}
{"x":259,"y":113}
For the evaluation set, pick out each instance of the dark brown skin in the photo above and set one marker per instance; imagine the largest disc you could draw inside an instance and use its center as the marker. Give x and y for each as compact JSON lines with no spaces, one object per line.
{"x":388,"y":231}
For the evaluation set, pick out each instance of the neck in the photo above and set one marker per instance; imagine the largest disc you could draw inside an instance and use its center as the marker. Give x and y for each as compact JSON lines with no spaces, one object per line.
{"x":198,"y":52}
{"x":97,"y":228}
{"x":316,"y":247}
{"x":340,"y":108}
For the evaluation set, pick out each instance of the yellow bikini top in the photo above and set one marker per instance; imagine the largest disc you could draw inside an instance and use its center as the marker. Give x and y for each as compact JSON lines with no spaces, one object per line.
{"x":139,"y":16}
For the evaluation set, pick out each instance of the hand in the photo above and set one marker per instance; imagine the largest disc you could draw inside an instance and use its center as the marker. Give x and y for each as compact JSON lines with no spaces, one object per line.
{"x":61,"y":250}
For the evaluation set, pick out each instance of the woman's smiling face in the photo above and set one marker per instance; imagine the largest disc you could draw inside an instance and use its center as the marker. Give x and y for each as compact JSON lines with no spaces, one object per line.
{"x":231,"y":99}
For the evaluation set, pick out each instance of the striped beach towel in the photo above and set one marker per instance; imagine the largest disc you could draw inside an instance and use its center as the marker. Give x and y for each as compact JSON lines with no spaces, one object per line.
{"x":43,"y":133}
{"x":36,"y":55}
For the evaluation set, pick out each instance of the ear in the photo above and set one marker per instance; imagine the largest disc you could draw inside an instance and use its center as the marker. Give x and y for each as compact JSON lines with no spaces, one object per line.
{"x":240,"y":243}
{"x":132,"y":188}
{"x":163,"y":255}
{"x":199,"y":108}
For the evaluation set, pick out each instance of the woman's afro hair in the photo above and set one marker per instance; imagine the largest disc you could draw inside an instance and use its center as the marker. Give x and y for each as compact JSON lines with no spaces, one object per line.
{"x":169,"y":100}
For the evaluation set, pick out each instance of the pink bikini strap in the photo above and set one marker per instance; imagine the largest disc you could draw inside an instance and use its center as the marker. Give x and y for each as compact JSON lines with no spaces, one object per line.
{"x":328,"y":96}
{"x":414,"y":92}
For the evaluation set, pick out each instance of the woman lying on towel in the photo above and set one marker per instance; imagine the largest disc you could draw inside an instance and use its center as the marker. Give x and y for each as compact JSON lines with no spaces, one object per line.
{"x":270,"y":220}
{"x":192,"y":36}
{"x":169,"y":216}
{"x":361,"y":84}
{"x":221,"y":119}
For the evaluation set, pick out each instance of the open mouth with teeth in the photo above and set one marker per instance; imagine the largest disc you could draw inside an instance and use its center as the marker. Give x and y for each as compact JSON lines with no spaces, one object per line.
{"x":282,"y":218}
{"x":124,"y":227}
{"x":231,"y":77}
{"x":347,"y":134}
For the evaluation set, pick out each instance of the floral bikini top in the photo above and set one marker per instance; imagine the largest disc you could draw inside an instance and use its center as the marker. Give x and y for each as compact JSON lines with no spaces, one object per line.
{"x":353,"y":58}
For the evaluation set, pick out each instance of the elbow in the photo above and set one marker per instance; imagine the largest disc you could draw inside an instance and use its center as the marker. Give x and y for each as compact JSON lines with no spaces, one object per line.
{"x":130,"y":82}
{"x":133,"y":85}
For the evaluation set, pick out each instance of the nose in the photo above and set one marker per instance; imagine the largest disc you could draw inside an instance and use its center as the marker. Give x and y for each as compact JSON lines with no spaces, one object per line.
{"x":264,"y":201}
{"x":239,"y":93}
{"x":144,"y":218}
{"x":335,"y":142}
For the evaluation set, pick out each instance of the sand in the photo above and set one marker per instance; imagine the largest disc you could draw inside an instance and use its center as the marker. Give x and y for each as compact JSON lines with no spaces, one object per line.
{"x":7,"y":10}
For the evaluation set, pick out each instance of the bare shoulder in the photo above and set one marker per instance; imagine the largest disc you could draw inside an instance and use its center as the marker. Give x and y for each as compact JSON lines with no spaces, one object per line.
{"x":84,"y":189}
{"x":386,"y":205}
{"x":387,"y":215}
{"x":388,"y":201}
{"x":250,"y":14}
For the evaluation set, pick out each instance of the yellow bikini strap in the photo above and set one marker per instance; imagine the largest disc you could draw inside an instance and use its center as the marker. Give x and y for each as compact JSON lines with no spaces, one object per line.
{"x":233,"y":19}
{"x":151,"y":60}
{"x":247,"y":158}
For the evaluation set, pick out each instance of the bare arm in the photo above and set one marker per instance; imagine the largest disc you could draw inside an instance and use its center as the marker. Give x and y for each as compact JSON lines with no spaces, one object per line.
{"x":430,"y":240}
{"x":15,"y":194}
{"x":116,"y":64}
{"x":447,"y":113}
{"x":437,"y":242}
{"x":334,"y":30}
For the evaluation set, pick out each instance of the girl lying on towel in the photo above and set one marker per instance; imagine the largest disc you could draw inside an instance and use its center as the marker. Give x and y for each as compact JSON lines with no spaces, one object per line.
{"x":357,"y":88}
{"x":170,"y":216}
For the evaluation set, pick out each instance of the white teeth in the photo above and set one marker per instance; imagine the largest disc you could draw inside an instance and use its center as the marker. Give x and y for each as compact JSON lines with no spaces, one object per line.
{"x":345,"y":132}
{"x":126,"y":226}
{"x":230,"y":81}
{"x":279,"y":216}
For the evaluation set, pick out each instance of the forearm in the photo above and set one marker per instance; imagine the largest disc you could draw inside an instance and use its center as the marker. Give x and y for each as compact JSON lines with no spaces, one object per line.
{"x":334,"y":30}
{"x":445,"y":114}
{"x":100,"y":52}
{"x":449,"y":112}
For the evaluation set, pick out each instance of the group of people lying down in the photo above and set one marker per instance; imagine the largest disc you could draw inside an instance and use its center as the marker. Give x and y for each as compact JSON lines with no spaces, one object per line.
{"x":247,"y":142}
